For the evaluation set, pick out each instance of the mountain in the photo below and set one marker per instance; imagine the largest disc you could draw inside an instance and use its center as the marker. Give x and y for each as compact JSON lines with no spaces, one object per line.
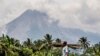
{"x":31,"y":24}
{"x":35,"y":24}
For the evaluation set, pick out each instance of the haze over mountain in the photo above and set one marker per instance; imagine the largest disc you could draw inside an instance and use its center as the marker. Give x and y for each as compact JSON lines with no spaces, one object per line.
{"x":31,"y":24}
{"x":35,"y":24}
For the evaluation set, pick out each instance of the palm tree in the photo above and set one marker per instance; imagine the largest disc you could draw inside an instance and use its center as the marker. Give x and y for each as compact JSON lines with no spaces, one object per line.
{"x":28,"y":43}
{"x":96,"y":49}
{"x":58,"y":40}
{"x":38,"y":43}
{"x":47,"y":43}
{"x":48,"y":38}
{"x":84,"y":43}
{"x":5,"y":46}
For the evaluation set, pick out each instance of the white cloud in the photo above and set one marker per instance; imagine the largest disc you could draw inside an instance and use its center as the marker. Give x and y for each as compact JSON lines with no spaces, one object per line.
{"x":81,"y":14}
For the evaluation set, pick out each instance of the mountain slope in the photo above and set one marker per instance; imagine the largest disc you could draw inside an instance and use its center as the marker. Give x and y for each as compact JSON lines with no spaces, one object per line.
{"x":35,"y":24}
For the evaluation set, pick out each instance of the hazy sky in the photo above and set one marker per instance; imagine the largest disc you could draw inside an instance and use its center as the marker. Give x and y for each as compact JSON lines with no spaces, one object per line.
{"x":74,"y":14}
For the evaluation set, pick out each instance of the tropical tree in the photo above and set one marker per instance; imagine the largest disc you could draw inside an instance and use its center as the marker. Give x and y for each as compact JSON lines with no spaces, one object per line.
{"x":48,"y":38}
{"x":58,"y":40}
{"x":84,"y":44}
{"x":37,"y":43}
{"x":94,"y":50}
{"x":6,"y":47}
{"x":47,"y":44}
{"x":28,"y":43}
{"x":43,"y":47}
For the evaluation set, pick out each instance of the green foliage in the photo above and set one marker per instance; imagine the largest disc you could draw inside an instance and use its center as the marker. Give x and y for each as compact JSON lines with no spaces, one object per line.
{"x":94,"y":50}
{"x":27,"y":52}
{"x":42,"y":47}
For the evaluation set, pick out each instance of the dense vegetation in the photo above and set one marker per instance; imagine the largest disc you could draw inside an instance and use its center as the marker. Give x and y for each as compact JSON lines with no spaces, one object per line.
{"x":43,"y":47}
